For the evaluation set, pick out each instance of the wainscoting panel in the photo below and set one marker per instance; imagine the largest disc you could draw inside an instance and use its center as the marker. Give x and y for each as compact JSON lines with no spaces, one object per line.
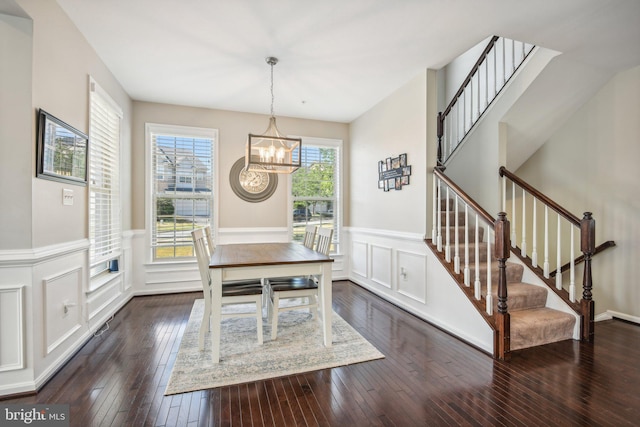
{"x":359,"y":258}
{"x":381,"y":260}
{"x":62,"y":306}
{"x":12,"y":350}
{"x":104,"y":297}
{"x":412,"y":275}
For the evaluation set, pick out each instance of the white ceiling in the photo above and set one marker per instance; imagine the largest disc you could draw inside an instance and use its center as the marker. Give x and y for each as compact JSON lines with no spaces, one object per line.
{"x":338,"y":58}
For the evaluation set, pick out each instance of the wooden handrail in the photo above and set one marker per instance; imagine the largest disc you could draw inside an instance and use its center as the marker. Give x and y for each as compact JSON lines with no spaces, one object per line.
{"x":537,"y":194}
{"x":466,"y":81}
{"x":606,"y":245}
{"x":464,"y":196}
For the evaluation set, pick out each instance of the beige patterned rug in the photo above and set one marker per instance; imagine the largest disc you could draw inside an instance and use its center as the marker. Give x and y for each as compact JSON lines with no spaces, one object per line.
{"x":297,"y":349}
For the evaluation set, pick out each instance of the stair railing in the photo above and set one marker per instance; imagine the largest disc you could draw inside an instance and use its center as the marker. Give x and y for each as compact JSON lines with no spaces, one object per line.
{"x":525,"y":221}
{"x":491,"y":72}
{"x":457,"y":246}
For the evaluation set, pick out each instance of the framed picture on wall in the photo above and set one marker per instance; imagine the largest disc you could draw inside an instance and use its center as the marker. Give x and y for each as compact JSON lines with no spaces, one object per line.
{"x":61,"y":151}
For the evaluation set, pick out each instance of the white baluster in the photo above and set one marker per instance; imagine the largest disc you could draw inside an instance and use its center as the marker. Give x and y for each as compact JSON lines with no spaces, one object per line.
{"x":504,"y":194}
{"x":572,"y":269}
{"x":447,"y":231}
{"x":434,"y":220}
{"x":489,"y":287}
{"x":523,"y":249}
{"x":439,"y":239}
{"x":545,"y":266}
{"x":466,"y":245}
{"x":514,"y":233}
{"x":534,"y":237}
{"x":559,"y":258}
{"x":456,"y":257}
{"x":476,"y":284}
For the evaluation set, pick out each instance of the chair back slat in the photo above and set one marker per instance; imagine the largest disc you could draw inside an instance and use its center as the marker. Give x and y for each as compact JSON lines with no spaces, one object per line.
{"x":310,"y":236}
{"x":324,"y":240}
{"x":210,"y":243}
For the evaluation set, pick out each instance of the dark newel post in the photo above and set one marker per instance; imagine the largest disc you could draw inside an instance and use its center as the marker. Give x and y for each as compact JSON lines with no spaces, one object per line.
{"x":502,"y":252}
{"x":440,"y":133}
{"x":587,"y":246}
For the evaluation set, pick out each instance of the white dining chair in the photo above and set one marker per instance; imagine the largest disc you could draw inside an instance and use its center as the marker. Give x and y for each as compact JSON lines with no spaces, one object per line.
{"x":310,"y":236}
{"x":245,"y":292}
{"x":304,"y":288}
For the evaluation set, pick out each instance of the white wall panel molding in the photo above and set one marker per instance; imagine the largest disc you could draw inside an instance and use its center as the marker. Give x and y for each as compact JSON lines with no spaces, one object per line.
{"x":12,"y":344}
{"x":360,"y":258}
{"x":411,"y":275}
{"x":391,"y":234}
{"x":26,"y":257}
{"x":381,"y":265}
{"x":62,"y":301}
{"x":102,"y":298}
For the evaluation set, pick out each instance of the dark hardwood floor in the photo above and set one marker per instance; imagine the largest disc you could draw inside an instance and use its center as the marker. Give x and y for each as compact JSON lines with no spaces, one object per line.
{"x":428,"y":378}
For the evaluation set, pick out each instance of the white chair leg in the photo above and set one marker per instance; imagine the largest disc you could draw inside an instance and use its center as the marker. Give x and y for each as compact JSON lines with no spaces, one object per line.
{"x":205,"y":326}
{"x":274,"y":316}
{"x":259,"y":318}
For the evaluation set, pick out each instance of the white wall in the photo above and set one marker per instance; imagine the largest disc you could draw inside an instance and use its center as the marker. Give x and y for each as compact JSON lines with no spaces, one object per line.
{"x":394,"y":126}
{"x":591,"y":164}
{"x":16,"y":138}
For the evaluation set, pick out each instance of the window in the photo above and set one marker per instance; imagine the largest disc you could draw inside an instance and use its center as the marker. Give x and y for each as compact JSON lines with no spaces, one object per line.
{"x":315,"y":188}
{"x":104,"y":179}
{"x":181,"y":164}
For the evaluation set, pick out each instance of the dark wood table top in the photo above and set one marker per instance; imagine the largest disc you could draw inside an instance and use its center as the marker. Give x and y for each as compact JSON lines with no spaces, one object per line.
{"x":256,"y":254}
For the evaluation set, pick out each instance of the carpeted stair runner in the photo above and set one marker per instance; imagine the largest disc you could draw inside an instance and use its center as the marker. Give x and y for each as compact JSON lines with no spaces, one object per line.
{"x":532,"y":323}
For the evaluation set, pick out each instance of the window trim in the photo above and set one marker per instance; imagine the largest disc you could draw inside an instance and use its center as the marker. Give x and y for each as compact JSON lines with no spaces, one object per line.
{"x":176,"y":130}
{"x":338,"y":144}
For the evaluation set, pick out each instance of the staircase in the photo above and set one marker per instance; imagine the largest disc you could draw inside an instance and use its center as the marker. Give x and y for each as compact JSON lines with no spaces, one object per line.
{"x":532,"y":321}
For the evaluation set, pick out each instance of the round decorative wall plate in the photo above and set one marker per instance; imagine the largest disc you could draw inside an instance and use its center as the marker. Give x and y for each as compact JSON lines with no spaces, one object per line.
{"x":252,"y":186}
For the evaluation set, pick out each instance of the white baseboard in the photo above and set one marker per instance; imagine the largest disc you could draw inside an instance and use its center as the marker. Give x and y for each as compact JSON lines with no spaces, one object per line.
{"x":610,"y":314}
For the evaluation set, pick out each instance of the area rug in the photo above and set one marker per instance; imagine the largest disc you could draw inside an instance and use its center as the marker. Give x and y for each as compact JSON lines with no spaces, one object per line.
{"x":298,"y":348}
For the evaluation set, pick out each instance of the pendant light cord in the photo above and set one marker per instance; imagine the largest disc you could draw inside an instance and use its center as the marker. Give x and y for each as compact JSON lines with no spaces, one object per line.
{"x":272,"y":97}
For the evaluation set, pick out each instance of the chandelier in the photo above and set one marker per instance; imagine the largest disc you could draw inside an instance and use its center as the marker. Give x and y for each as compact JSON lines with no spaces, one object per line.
{"x":271,"y":152}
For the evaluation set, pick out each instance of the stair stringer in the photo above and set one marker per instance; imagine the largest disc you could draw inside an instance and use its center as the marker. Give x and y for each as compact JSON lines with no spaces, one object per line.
{"x":461,"y":314}
{"x":553,"y":300}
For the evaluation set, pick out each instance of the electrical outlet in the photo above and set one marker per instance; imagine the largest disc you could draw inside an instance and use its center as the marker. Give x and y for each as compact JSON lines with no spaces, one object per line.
{"x":67,"y":197}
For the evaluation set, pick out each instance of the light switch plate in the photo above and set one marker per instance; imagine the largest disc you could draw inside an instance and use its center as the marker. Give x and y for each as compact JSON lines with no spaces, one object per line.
{"x":67,"y":197}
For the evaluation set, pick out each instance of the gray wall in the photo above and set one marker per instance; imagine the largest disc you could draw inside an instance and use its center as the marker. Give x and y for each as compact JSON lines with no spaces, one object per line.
{"x":591,"y":164}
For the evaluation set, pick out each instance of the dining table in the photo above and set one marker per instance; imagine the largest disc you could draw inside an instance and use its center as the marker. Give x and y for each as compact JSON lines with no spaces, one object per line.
{"x":242,"y":261}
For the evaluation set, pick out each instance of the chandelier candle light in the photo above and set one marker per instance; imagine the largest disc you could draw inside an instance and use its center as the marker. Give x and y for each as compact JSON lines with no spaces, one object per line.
{"x":271,"y":152}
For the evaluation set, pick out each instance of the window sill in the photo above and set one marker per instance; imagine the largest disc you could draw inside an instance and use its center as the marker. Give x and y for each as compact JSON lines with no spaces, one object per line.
{"x":102,"y":279}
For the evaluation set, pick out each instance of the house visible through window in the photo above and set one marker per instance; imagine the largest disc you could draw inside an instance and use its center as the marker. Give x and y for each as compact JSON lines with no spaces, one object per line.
{"x":315,"y":188}
{"x":104,"y":180}
{"x":182,"y":188}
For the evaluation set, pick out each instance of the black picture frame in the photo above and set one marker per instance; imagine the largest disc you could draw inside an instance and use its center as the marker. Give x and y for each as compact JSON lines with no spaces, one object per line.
{"x":62,"y":151}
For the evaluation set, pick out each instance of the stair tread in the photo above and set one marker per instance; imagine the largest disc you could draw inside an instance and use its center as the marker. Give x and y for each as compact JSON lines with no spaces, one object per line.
{"x":540,"y":326}
{"x":521,"y":296}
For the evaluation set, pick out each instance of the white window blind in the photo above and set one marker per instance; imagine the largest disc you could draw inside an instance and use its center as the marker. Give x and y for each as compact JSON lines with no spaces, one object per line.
{"x":315,"y":191}
{"x":182,"y":183}
{"x":104,"y":177}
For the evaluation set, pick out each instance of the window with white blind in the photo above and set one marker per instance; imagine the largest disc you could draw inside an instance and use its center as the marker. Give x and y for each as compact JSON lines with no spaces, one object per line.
{"x":181,"y":164}
{"x":315,"y":189}
{"x":104,"y":179}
